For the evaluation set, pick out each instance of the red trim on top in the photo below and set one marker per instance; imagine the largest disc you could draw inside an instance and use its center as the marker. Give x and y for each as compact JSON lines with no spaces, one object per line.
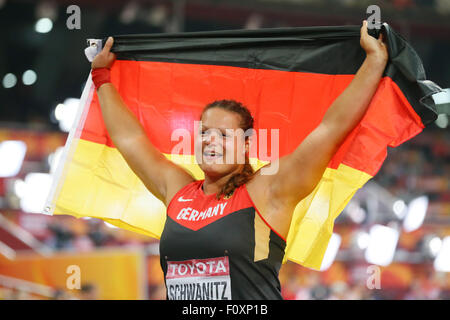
{"x":176,"y":194}
{"x":260,"y":215}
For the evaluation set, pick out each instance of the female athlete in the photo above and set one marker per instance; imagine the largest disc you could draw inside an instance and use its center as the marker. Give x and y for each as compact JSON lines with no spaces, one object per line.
{"x":224,"y":236}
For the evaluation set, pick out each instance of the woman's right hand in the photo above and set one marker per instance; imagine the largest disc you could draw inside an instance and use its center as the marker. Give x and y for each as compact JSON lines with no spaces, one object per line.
{"x":105,"y":58}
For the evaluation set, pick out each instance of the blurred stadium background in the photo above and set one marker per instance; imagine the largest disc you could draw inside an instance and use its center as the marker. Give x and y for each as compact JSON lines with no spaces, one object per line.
{"x":399,"y":222}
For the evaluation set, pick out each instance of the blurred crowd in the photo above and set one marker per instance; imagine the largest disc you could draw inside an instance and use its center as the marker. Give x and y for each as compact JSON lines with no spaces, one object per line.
{"x":303,"y":284}
{"x":83,"y":235}
{"x":63,"y":237}
{"x":88,"y":291}
{"x":421,"y":165}
{"x":439,"y":6}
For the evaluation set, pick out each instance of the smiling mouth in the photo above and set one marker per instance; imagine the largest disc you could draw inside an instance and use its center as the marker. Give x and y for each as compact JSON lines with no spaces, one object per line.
{"x":211,"y":155}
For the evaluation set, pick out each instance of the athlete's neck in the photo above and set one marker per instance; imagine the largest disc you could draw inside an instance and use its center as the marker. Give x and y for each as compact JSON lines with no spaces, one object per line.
{"x":213,"y":184}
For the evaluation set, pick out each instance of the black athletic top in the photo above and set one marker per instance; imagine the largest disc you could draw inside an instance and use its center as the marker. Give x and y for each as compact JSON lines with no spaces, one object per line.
{"x":219,"y":249}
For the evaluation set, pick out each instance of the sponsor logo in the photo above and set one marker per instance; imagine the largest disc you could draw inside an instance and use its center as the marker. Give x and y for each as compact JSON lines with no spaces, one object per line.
{"x":181,"y":199}
{"x":199,"y":279}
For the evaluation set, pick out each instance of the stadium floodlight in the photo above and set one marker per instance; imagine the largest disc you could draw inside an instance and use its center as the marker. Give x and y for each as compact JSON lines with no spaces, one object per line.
{"x":416,"y":214}
{"x":434,"y":246}
{"x":355,"y":212}
{"x":12,"y":154}
{"x":362,"y":240}
{"x":331,"y":252}
{"x":66,"y":113}
{"x":9,"y":80}
{"x":29,"y":77}
{"x":20,"y":188}
{"x":35,"y":191}
{"x":382,"y":244}
{"x":43,"y":25}
{"x":442,"y":261}
{"x":399,"y":208}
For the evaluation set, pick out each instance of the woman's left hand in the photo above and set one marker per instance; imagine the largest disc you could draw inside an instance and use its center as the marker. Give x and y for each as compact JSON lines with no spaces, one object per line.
{"x":375,"y":48}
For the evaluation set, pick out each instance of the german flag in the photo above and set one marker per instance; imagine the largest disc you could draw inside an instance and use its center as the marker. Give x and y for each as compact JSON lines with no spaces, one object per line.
{"x":287,"y":77}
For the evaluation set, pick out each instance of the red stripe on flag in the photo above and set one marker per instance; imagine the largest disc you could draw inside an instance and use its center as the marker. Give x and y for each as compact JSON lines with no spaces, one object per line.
{"x":168,"y":96}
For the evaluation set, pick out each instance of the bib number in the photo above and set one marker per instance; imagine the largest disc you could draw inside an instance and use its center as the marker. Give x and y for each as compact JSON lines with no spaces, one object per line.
{"x":199,"y":279}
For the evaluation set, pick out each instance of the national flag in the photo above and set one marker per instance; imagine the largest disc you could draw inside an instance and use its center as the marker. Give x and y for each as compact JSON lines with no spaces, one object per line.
{"x":287,"y":77}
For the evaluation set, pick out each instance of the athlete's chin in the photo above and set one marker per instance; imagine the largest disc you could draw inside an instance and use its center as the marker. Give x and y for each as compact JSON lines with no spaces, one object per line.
{"x":215,"y":169}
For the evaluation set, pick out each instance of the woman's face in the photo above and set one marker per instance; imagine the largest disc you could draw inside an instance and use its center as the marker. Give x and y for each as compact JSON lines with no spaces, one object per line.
{"x":220,"y":144}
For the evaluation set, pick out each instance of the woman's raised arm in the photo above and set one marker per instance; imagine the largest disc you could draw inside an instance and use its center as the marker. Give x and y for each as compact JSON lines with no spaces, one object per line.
{"x":162,"y":177}
{"x":300,"y":171}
